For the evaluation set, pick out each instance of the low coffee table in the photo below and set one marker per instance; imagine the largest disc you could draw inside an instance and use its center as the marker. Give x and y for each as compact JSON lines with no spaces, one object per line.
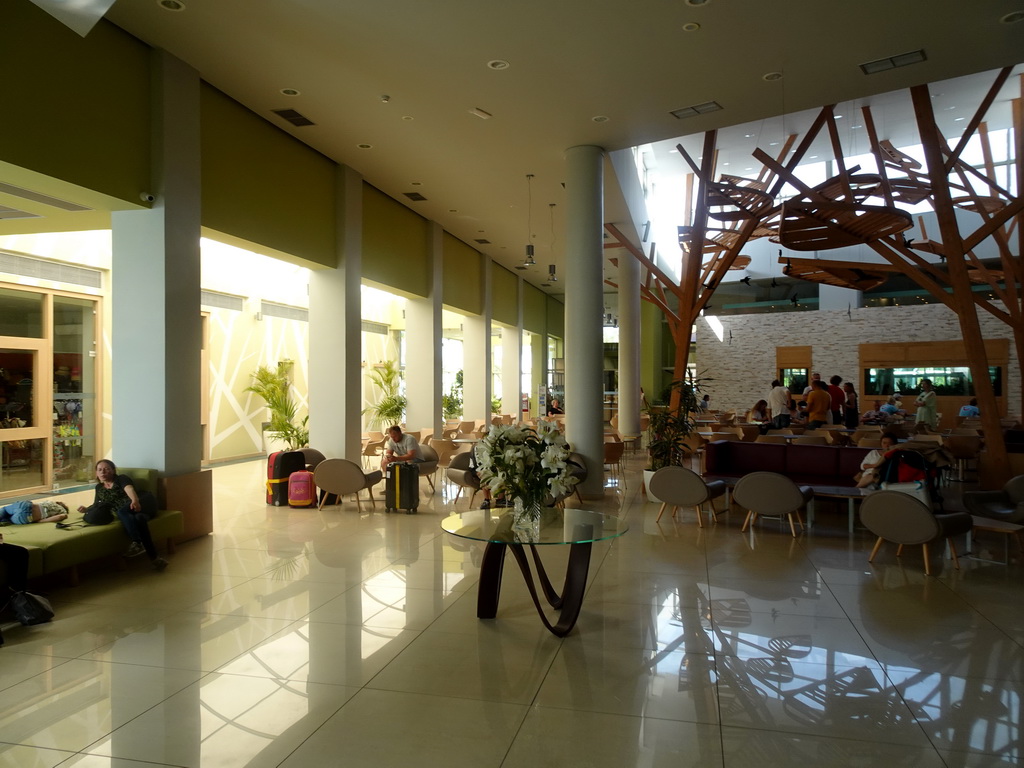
{"x":577,"y":528}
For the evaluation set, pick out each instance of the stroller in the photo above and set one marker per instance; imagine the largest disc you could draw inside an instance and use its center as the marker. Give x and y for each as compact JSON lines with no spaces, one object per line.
{"x":910,"y":472}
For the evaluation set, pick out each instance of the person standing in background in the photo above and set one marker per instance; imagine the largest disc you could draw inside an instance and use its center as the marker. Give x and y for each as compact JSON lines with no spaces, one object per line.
{"x":838,"y":396}
{"x":851,"y":410}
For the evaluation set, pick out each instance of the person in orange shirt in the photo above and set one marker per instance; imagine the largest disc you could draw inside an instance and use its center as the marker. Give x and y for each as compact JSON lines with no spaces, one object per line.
{"x":819,"y":404}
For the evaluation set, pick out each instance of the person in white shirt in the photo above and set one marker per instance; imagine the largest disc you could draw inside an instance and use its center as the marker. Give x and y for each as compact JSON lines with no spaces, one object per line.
{"x":400,"y":447}
{"x":778,"y":405}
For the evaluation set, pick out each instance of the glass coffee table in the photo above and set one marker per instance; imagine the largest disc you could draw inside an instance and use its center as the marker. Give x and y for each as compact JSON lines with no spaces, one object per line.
{"x":576,"y":528}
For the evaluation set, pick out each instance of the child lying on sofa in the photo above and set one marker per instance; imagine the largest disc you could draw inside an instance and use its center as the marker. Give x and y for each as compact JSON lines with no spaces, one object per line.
{"x":25,"y":512}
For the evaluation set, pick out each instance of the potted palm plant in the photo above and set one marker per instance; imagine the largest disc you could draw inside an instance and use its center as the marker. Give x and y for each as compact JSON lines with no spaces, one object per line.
{"x":669,"y":427}
{"x":275,"y":389}
{"x":390,"y":407}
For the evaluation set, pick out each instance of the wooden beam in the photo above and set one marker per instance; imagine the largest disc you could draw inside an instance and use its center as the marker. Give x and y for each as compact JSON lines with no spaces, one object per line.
{"x":963,"y":301}
{"x":979,"y":115}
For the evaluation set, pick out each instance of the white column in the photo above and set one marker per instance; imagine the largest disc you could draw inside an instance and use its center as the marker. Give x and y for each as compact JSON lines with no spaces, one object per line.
{"x":476,"y":355}
{"x":511,"y":370}
{"x":157,"y":326}
{"x":584,"y":307}
{"x":629,"y":345}
{"x":423,"y":345}
{"x":335,"y":331}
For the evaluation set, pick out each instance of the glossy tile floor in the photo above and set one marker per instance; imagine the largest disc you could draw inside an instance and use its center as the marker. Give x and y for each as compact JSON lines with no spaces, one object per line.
{"x":298,"y":638}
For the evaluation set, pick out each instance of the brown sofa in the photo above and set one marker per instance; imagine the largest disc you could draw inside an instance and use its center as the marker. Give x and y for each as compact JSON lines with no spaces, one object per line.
{"x":803,"y":464}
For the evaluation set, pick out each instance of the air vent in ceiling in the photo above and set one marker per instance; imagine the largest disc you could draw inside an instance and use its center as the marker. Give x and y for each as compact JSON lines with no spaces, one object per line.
{"x":14,"y":213}
{"x":294,"y":117}
{"x":416,"y":197}
{"x":221,"y":300}
{"x":285,"y":311}
{"x":24,"y":266}
{"x":902,"y":60}
{"x":482,"y":241}
{"x":38,"y":197}
{"x":696,"y":109}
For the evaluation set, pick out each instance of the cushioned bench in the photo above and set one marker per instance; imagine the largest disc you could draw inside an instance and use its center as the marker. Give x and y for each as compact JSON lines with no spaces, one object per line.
{"x":52,"y":549}
{"x":803,"y":464}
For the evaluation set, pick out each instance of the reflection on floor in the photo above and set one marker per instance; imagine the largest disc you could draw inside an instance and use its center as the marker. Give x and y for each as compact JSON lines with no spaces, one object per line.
{"x":298,"y":638}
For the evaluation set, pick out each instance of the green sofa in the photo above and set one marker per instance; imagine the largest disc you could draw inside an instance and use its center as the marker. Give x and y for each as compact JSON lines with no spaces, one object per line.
{"x":52,"y":549}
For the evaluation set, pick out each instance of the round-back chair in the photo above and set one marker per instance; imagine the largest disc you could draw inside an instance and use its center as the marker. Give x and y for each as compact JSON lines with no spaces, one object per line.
{"x":904,"y":520}
{"x":682,"y":487}
{"x":769,"y":494}
{"x":340,"y":477}
{"x":460,"y":473}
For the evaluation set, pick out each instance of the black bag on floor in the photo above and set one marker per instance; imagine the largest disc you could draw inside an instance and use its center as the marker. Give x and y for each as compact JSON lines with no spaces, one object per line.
{"x":31,"y":609}
{"x":402,"y":487}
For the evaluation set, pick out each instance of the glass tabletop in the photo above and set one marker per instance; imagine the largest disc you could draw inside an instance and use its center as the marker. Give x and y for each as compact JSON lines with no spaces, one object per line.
{"x":557,"y":526}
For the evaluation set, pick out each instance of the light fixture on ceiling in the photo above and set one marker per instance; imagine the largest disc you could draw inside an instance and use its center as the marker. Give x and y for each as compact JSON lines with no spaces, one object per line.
{"x":171,"y":5}
{"x":498,"y":65}
{"x":529,"y":261}
{"x":771,"y":77}
{"x":1012,"y":18}
{"x":697,"y":3}
{"x":552,"y":277}
{"x":691,"y":26}
{"x":290,"y":92}
{"x":600,"y":118}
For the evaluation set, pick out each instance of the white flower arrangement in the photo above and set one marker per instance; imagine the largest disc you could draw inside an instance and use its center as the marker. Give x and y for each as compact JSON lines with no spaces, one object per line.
{"x":526,"y":464}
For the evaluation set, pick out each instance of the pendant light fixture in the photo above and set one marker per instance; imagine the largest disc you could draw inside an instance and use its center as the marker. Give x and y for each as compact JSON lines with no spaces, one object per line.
{"x":529,"y":262}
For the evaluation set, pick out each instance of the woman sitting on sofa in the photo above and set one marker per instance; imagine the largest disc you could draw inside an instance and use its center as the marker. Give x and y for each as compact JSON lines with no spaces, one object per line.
{"x":133,"y":509}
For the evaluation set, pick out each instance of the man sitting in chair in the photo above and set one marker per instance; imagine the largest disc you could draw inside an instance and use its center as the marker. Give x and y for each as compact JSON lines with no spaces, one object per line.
{"x":400,"y":447}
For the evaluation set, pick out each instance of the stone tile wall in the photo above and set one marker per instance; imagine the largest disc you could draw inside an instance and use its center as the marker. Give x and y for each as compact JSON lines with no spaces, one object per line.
{"x":742,"y":363}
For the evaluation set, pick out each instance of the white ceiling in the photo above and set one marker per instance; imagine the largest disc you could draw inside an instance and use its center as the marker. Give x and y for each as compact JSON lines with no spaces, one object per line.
{"x":569,"y":62}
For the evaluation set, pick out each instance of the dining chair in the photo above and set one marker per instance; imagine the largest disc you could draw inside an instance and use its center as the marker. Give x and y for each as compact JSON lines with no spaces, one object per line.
{"x":904,"y":520}
{"x":682,"y":487}
{"x":769,"y":494}
{"x":341,"y":477}
{"x":963,"y":448}
{"x":372,"y":451}
{"x":810,"y":440}
{"x":613,"y":452}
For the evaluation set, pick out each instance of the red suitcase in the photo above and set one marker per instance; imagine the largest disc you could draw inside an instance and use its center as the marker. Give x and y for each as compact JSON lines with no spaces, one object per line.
{"x":301,"y":491}
{"x":279,"y":466}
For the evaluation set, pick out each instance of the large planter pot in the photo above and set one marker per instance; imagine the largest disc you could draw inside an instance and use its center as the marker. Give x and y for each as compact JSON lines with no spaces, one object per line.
{"x":648,"y":474}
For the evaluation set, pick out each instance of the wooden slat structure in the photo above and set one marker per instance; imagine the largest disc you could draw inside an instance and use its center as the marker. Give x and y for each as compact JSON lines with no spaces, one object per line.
{"x":860,"y":208}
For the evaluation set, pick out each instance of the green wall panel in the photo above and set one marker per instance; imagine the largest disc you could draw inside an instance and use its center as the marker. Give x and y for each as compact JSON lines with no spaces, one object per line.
{"x":396,"y":244}
{"x":462,"y":276}
{"x":556,"y":317}
{"x":75,"y":109}
{"x":504,"y":296}
{"x":264,"y":186}
{"x":535,"y":318}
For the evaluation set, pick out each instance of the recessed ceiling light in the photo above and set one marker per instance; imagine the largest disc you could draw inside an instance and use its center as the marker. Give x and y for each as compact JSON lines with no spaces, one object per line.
{"x":774,"y":144}
{"x":771,"y":76}
{"x":691,"y":26}
{"x":957,"y":119}
{"x":599,"y":119}
{"x":171,"y":5}
{"x":290,"y":92}
{"x":407,"y":117}
{"x":814,"y":157}
{"x":482,"y":114}
{"x":417,"y":183}
{"x":365,"y":146}
{"x":749,"y":169}
{"x":748,"y":135}
{"x":858,"y":126}
{"x":1012,"y":17}
{"x":453,"y":210}
{"x":498,"y":64}
{"x":697,"y":3}
{"x":838,"y":117}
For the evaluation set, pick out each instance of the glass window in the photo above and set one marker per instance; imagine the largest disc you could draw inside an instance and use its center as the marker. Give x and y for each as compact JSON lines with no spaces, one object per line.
{"x":21,"y":314}
{"x":17,"y":388}
{"x":21,"y":464}
{"x":948,"y":381}
{"x":74,"y":393}
{"x":795,"y":380}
